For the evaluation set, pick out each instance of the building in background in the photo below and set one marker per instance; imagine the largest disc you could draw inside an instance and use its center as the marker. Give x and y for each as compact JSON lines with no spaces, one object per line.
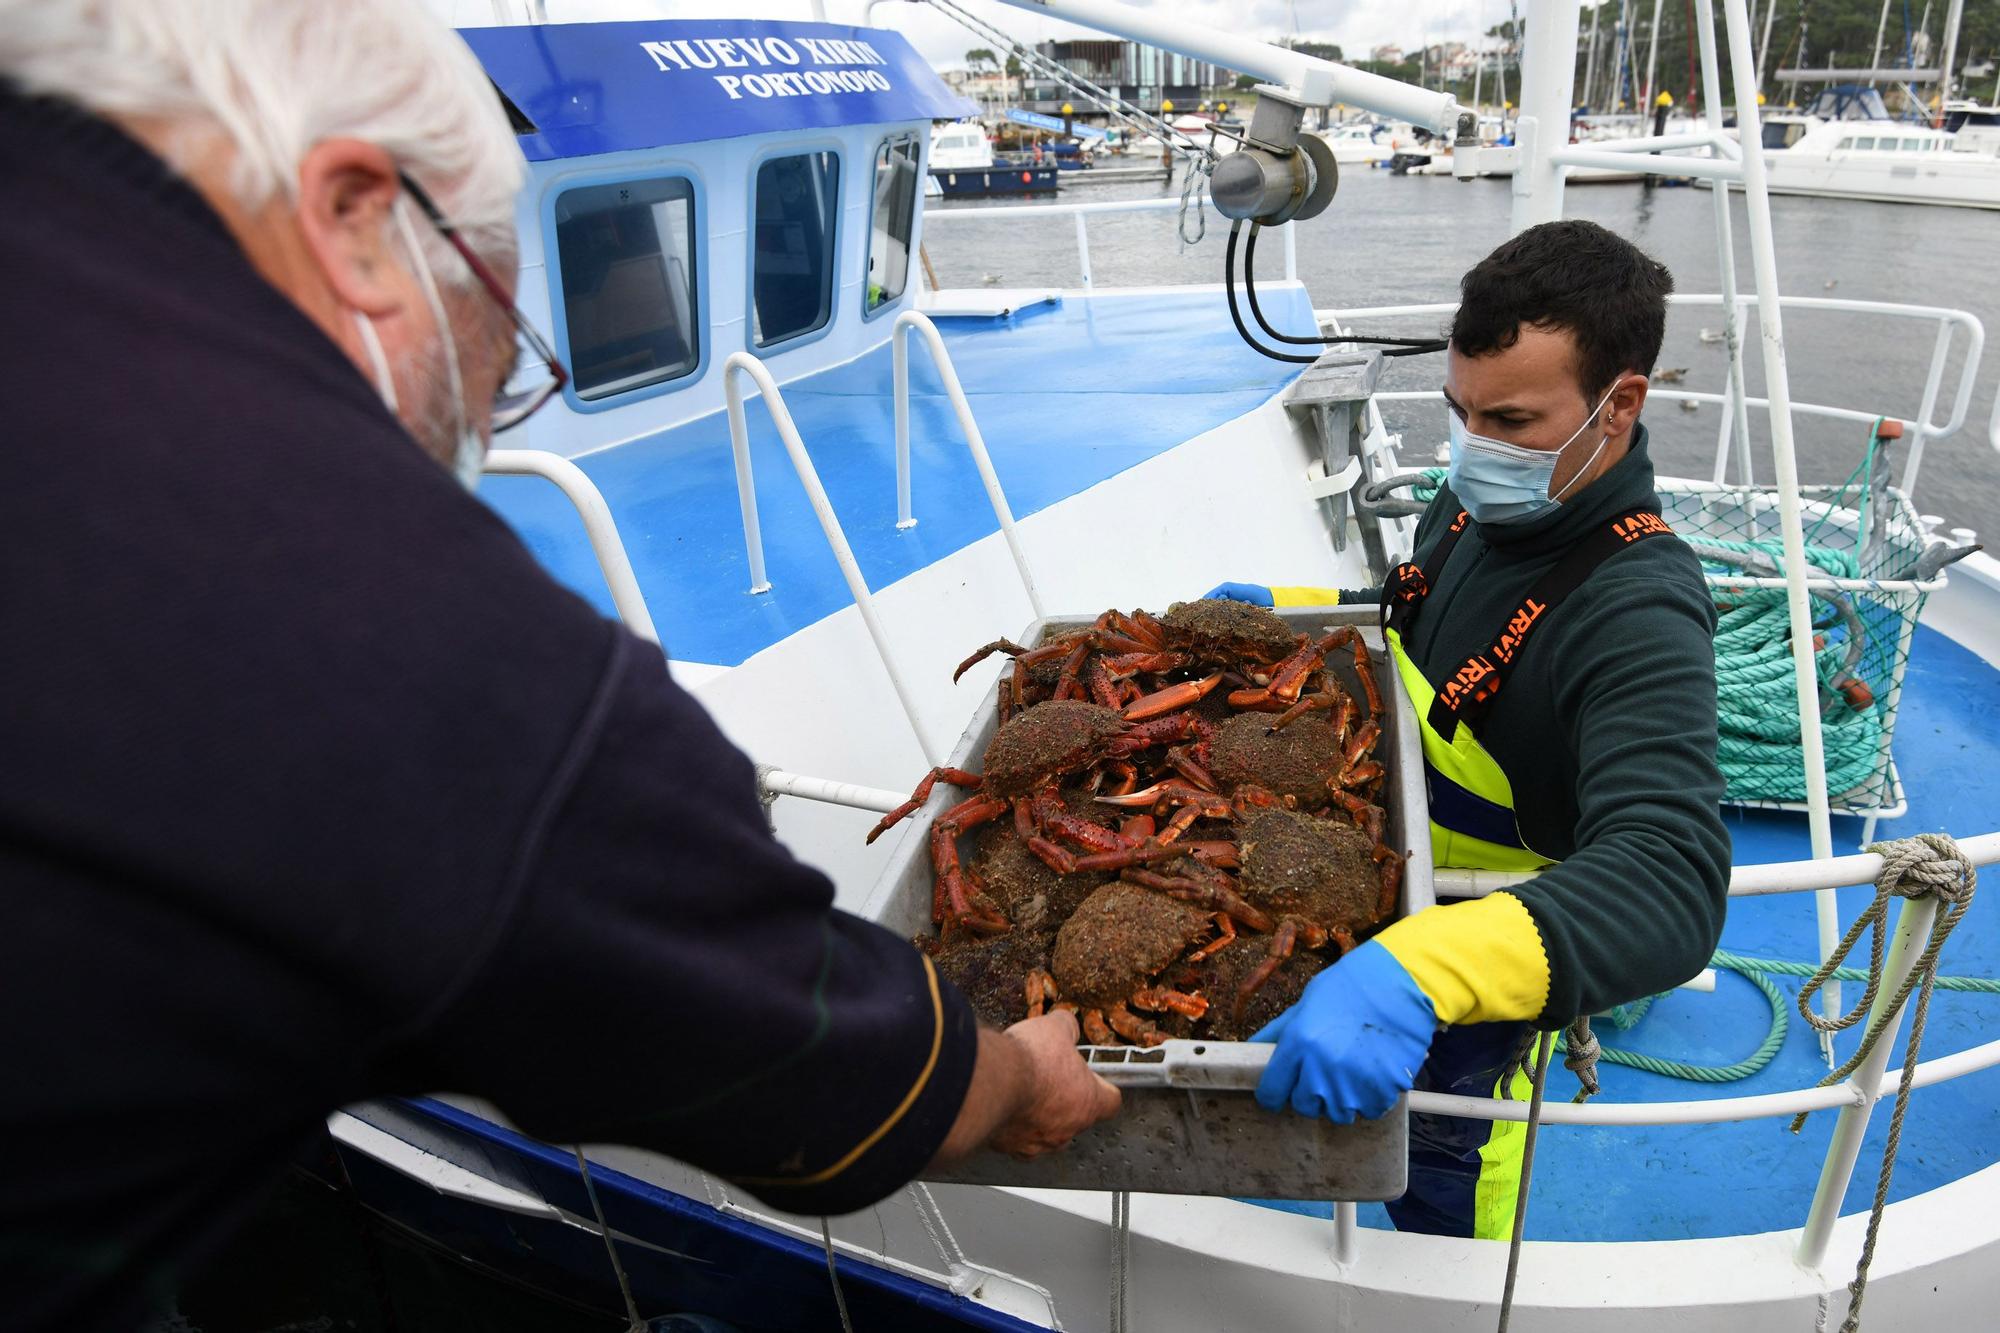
{"x":1144,"y":75}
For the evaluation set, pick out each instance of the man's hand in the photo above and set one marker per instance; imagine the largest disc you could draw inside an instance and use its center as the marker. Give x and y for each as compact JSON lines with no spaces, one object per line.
{"x":1065,"y":1097}
{"x":1031,"y":1092}
{"x":1254,"y":593}
{"x":1352,"y":1043}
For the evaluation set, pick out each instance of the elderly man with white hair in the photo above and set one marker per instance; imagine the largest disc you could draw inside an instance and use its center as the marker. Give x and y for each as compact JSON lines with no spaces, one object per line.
{"x":313,"y":786}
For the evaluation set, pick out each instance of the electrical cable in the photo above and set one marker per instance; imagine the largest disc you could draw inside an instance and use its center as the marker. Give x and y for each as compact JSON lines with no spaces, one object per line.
{"x":1236,"y":317}
{"x":1257,"y":313}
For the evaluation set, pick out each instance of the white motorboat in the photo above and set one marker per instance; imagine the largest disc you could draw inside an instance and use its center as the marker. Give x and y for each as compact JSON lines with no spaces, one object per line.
{"x":1846,"y":147}
{"x":960,"y":145}
{"x":1357,"y":144}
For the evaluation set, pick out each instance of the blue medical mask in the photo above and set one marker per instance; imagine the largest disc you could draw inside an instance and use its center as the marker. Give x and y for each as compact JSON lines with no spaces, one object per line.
{"x":1504,"y":483}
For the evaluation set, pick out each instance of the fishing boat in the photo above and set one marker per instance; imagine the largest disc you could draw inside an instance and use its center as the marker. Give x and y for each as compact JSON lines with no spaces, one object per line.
{"x":964,"y":165}
{"x":818,"y":493}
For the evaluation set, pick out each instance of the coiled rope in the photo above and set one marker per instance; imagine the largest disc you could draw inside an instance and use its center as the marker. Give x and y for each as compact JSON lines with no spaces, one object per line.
{"x":1760,"y":750}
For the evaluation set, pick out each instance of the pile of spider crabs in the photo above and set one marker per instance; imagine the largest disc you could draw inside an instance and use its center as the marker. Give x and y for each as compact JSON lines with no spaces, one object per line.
{"x":1175,"y":826}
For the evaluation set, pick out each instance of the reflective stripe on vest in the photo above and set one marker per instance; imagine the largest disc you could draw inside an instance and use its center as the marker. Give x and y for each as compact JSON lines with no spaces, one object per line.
{"x":1471,"y":800}
{"x":1473,"y":824}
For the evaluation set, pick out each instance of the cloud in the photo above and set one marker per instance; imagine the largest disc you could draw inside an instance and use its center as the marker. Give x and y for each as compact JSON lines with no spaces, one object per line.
{"x":1356,"y":25}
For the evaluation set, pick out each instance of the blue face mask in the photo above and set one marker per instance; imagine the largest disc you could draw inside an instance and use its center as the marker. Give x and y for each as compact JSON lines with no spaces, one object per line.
{"x":1504,"y":483}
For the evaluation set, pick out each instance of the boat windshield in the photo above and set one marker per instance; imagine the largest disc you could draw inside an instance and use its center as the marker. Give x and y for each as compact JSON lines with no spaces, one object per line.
{"x":1849,"y":102}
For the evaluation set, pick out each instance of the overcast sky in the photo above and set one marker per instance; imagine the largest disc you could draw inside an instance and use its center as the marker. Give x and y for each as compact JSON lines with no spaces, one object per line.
{"x":1356,"y":25}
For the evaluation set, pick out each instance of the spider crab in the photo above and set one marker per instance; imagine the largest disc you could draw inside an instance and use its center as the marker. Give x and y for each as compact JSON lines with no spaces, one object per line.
{"x":1023,"y":768}
{"x":1108,"y":955}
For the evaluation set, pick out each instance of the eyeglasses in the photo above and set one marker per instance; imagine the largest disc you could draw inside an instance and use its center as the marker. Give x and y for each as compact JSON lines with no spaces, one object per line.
{"x":510,"y":407}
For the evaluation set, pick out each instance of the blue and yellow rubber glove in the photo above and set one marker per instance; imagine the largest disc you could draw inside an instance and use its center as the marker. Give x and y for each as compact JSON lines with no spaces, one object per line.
{"x":1258,"y":594}
{"x":1357,"y":1036}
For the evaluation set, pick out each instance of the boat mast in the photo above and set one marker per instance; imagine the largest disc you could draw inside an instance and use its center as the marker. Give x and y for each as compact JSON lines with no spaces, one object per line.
{"x":1950,"y":54}
{"x":1652,"y":61}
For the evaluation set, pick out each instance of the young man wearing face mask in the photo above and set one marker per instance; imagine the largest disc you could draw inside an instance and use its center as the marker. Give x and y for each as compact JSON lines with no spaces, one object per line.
{"x":1556,"y":641}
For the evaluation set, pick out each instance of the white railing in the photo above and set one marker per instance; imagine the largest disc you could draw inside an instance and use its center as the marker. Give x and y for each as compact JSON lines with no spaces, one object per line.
{"x":734,"y":369}
{"x":597,"y":525}
{"x":974,"y":441}
{"x":1922,"y":425}
{"x":1082,"y":212}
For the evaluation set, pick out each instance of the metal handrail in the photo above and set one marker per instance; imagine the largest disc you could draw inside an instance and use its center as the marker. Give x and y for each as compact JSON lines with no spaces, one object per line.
{"x":974,"y":441}
{"x":734,"y":368}
{"x":1288,"y":232}
{"x":605,"y":542}
{"x":1948,"y":319}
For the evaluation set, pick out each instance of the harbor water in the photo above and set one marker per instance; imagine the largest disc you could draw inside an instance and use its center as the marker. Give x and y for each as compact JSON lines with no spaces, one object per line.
{"x":314,"y":1263}
{"x":1402,"y":240}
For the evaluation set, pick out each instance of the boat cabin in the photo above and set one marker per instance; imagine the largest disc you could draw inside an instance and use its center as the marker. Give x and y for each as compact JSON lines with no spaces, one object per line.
{"x":697,"y":188}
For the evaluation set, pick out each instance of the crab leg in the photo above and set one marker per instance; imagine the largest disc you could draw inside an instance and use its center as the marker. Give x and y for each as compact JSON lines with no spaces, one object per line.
{"x":957,"y":777}
{"x":1098,"y":681}
{"x":1056,"y":822}
{"x":1143,"y":627}
{"x":1159,"y":999}
{"x":1041,"y":990}
{"x":1214,"y":896}
{"x":1364,"y":669}
{"x":1289,"y":676}
{"x":1283,"y":941}
{"x":1132,"y":1027}
{"x":1366,"y":817}
{"x":1226,"y":936}
{"x":1095,"y":1031}
{"x":1171,"y":698}
{"x":1144,"y":854}
{"x":1390,"y":866}
{"x":951,"y":893}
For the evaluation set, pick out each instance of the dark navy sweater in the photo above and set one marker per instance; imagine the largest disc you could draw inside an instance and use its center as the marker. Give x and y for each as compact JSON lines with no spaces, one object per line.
{"x":314,"y":788}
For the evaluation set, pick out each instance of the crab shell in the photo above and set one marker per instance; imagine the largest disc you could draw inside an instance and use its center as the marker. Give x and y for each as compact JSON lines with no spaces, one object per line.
{"x":1045,"y":742}
{"x":1119,"y":939}
{"x":1316,"y":870}
{"x":1219,"y":628}
{"x":1297,"y":762}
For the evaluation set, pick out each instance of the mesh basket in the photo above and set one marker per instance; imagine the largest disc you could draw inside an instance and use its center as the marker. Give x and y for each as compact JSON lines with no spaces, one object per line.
{"x":1863,"y":548}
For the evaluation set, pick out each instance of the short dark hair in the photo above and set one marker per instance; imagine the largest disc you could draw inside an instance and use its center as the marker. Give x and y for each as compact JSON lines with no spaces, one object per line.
{"x":1607,"y":293}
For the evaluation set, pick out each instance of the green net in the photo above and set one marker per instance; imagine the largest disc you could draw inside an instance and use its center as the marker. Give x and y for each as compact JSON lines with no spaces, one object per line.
{"x":1863,"y":543}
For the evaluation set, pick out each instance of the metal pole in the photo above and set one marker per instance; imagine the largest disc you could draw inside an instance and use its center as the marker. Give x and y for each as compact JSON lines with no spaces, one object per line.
{"x":1589,"y":64}
{"x":1764,"y":52}
{"x":1547,"y":75}
{"x":899,"y":364}
{"x":598,"y":525}
{"x":1881,"y":26}
{"x":1319,"y":82}
{"x":746,"y":496}
{"x":974,"y":441}
{"x":1737,"y":410}
{"x":1951,"y":23}
{"x":1291,"y":235}
{"x":1922,"y":426}
{"x":742,"y":363}
{"x":1770,"y":328}
{"x":1345,"y":1225}
{"x":1083,"y":250}
{"x":1913,"y":927}
{"x":1652,"y":59}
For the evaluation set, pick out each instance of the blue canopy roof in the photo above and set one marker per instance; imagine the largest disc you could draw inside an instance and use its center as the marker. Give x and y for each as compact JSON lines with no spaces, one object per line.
{"x":591,"y":88}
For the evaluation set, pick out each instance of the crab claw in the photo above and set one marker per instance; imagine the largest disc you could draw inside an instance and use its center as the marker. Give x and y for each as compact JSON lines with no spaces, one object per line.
{"x":1172,"y":697}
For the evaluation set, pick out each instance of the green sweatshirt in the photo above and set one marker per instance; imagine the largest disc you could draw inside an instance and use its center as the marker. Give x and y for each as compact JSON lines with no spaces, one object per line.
{"x":1607,"y":732}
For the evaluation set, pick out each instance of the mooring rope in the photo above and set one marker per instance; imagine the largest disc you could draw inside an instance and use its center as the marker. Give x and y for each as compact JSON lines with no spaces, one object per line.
{"x":1929,"y":865}
{"x":1542,"y":1060}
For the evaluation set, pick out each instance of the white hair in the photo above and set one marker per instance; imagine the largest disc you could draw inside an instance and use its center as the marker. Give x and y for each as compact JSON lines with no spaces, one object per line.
{"x":273,"y":78}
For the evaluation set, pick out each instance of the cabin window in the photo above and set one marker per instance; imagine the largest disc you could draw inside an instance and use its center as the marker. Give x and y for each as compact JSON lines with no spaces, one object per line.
{"x":1864,"y":144}
{"x":627,"y":254}
{"x":891,"y":221}
{"x":791,"y":264}
{"x":1782,"y":134}
{"x":1912,"y":145}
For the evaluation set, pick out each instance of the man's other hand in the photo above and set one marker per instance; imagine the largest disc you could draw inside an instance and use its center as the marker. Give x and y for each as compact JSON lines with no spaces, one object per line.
{"x":1352,"y":1043}
{"x":1064,"y":1097}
